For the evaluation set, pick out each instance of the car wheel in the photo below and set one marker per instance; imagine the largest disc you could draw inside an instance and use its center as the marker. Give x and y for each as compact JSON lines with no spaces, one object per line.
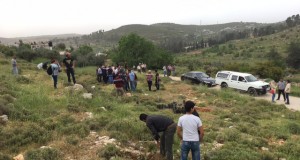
{"x":224,"y":85}
{"x":182,"y":78}
{"x":252,"y":92}
{"x":203,"y":84}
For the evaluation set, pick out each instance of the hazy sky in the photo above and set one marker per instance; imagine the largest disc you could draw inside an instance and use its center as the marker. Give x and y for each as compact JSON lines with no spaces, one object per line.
{"x":47,"y":17}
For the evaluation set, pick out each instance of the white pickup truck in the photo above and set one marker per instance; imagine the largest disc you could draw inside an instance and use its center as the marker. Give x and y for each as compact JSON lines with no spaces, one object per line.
{"x":241,"y":81}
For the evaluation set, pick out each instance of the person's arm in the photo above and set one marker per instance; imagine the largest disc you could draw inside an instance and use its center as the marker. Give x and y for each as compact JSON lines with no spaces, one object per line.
{"x":179,"y":132}
{"x":154,"y":131}
{"x":74,"y":63}
{"x":201,"y":130}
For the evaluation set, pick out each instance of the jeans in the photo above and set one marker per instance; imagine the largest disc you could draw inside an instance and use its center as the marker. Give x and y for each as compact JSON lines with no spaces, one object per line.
{"x":132,"y":85}
{"x":110,"y":79}
{"x":194,"y":146}
{"x":15,"y":71}
{"x":99,"y":77}
{"x":273,"y":97}
{"x":166,"y":141}
{"x":157,"y":85}
{"x":165,"y":73}
{"x":70,"y":71}
{"x":149,"y":85}
{"x":287,"y":98}
{"x":55,"y":80}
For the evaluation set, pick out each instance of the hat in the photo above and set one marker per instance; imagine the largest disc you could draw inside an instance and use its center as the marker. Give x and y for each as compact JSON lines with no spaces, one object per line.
{"x":149,"y":71}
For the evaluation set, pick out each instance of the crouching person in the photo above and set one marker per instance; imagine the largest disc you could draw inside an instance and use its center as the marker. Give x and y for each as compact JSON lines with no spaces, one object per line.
{"x":159,"y":123}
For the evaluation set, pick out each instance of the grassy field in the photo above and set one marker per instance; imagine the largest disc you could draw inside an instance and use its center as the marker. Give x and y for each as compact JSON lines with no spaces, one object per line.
{"x":236,"y":127}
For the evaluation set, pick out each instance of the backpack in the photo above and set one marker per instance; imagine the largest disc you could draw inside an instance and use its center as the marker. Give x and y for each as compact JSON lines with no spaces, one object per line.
{"x":44,"y":66}
{"x":49,"y":70}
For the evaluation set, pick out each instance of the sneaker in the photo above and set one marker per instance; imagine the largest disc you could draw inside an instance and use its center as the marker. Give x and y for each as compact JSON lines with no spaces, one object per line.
{"x":287,"y":103}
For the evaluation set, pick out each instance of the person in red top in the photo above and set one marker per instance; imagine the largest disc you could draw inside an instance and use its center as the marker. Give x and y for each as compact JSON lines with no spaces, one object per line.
{"x":149,"y":77}
{"x":119,"y":85}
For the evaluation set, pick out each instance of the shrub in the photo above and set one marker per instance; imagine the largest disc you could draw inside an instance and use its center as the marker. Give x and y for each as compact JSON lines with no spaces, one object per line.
{"x":109,"y":151}
{"x":4,"y":109}
{"x":23,"y":80}
{"x":43,"y":154}
{"x":232,"y":151}
{"x":16,"y":137}
{"x":4,"y":157}
{"x":294,"y":128}
{"x":74,"y":140}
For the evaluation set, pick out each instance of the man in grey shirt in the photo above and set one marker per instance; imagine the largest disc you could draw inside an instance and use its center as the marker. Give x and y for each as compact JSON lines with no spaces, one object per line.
{"x":159,"y":123}
{"x":281,"y":87}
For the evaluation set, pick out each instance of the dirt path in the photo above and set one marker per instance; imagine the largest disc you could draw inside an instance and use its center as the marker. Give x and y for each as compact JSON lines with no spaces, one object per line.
{"x":294,"y":101}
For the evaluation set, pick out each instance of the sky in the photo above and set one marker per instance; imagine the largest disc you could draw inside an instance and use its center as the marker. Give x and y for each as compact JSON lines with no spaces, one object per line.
{"x":21,"y":18}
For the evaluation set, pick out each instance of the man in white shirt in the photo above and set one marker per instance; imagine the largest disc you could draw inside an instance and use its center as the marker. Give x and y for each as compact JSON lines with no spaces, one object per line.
{"x":187,"y":130}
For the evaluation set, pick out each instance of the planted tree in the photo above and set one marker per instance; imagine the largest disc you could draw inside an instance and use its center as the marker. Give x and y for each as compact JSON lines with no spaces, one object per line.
{"x":293,"y":58}
{"x":134,"y":49}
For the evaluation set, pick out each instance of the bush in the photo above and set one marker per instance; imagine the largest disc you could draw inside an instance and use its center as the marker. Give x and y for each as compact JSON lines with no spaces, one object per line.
{"x":74,"y":140}
{"x":109,"y":151}
{"x":43,"y":154}
{"x":294,"y":128}
{"x":4,"y":157}
{"x":23,"y":80}
{"x":16,"y":137}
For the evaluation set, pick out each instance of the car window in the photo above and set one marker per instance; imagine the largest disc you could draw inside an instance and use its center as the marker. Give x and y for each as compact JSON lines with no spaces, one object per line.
{"x":241,"y":79}
{"x":222,"y":75}
{"x":202,"y":75}
{"x":251,"y":78}
{"x":189,"y":74}
{"x":234,"y":77}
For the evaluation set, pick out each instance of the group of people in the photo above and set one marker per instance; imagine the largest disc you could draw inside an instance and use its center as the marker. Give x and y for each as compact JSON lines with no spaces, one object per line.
{"x":283,"y":88}
{"x":142,"y":67}
{"x":124,"y":78}
{"x":189,"y":130}
{"x":168,"y":70}
{"x":55,"y":68}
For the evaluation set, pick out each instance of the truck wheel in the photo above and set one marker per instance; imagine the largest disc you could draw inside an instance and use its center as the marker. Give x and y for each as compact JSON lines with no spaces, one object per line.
{"x":224,"y":85}
{"x":252,"y":92}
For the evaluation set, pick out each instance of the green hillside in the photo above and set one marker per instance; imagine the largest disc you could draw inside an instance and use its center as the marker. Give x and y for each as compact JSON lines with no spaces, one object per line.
{"x":244,"y":53}
{"x":236,"y":125}
{"x":161,"y":33}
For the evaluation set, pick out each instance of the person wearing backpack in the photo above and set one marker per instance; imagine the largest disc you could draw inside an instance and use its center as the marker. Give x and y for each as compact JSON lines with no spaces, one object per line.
{"x":55,"y":71}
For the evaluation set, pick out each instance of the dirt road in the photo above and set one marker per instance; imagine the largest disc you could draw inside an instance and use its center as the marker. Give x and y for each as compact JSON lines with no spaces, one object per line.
{"x":294,"y":101}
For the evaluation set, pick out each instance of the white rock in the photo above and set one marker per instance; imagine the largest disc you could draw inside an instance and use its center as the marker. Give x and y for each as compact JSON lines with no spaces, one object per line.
{"x":103,"y":108}
{"x":264,"y":148}
{"x":44,"y":147}
{"x":89,"y":114}
{"x":93,"y":87}
{"x":78,"y":87}
{"x":19,"y":157}
{"x":87,"y":95}
{"x":4,"y":118}
{"x":227,"y":119}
